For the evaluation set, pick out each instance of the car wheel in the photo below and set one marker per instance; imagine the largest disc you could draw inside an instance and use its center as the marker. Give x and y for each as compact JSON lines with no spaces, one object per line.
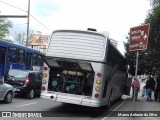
{"x":30,"y":95}
{"x":8,"y":97}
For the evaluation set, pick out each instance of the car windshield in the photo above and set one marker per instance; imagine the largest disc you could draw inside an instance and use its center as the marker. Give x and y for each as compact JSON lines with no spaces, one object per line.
{"x":17,"y":73}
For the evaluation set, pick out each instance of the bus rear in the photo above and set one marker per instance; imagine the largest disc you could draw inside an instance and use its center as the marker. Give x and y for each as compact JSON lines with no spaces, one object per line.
{"x":74,"y":68}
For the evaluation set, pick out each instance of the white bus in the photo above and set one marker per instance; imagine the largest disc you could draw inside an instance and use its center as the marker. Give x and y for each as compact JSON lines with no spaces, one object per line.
{"x":83,"y":68}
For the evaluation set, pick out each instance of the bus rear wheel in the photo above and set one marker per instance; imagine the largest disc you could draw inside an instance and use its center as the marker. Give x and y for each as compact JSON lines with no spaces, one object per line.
{"x":109,"y":102}
{"x":105,"y":107}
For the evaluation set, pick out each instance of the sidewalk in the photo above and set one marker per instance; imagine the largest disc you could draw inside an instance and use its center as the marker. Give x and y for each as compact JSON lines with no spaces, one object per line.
{"x":151,"y":109}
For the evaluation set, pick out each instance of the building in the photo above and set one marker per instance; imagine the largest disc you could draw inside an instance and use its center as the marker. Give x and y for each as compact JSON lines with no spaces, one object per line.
{"x":39,"y":42}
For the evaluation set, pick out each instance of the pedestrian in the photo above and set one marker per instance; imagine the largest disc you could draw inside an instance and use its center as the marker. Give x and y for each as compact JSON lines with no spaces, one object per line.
{"x":135,"y":88}
{"x":157,"y":89}
{"x":144,"y":92}
{"x":150,"y":86}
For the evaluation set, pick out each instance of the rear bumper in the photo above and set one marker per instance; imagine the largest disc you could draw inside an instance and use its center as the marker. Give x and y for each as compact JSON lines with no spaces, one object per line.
{"x":72,"y":99}
{"x":23,"y":90}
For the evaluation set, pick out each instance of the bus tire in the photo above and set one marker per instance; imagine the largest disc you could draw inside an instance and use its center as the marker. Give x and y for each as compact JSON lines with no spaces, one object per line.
{"x":104,"y":107}
{"x":107,"y":106}
{"x":109,"y":100}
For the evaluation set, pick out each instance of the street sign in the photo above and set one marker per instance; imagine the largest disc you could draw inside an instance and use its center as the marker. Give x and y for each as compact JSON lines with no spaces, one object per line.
{"x":139,"y":37}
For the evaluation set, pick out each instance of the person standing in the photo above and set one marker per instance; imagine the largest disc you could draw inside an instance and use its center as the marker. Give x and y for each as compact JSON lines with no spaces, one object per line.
{"x":150,"y":86}
{"x":136,"y":88}
{"x":157,"y":89}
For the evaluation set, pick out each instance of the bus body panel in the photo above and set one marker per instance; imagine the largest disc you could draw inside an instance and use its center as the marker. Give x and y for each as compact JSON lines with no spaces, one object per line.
{"x":68,"y":98}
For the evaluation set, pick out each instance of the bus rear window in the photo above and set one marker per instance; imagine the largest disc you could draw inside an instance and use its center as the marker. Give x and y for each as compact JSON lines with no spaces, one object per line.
{"x":18,"y":73}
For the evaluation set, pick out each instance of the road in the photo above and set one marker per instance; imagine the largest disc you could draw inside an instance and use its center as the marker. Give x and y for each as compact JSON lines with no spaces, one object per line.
{"x":58,"y":110}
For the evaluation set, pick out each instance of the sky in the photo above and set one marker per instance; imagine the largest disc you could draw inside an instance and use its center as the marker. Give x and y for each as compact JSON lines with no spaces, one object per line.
{"x":114,"y":16}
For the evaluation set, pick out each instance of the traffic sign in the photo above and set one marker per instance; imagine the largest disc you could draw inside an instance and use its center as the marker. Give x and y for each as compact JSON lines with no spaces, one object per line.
{"x":139,"y":37}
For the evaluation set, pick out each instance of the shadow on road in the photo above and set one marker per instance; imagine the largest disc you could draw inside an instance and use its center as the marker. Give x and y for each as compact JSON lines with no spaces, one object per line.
{"x":22,"y":96}
{"x":71,"y":110}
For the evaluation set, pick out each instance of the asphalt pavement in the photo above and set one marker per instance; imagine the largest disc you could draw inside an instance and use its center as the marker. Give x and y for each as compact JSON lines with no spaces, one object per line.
{"x":120,"y":109}
{"x":58,"y":111}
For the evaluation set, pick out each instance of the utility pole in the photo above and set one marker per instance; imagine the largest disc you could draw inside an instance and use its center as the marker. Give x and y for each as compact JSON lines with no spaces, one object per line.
{"x":28,"y":24}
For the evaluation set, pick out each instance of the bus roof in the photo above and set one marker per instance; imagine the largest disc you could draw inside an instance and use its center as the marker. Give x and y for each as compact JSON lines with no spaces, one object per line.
{"x":8,"y":44}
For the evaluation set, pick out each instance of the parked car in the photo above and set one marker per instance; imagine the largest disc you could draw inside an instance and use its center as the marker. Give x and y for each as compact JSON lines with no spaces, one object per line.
{"x":25,"y":82}
{"x":6,"y":92}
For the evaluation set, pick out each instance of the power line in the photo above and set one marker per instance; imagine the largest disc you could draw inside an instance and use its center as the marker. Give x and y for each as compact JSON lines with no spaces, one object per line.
{"x":39,"y":22}
{"x":13,"y":6}
{"x":25,"y":11}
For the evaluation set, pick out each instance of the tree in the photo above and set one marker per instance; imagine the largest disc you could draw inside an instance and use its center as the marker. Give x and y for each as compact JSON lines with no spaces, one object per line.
{"x":154,"y":37}
{"x":4,"y":27}
{"x":21,"y":38}
{"x":149,"y":60}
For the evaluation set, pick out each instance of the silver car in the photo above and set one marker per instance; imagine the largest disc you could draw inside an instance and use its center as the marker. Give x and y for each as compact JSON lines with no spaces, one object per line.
{"x":6,"y":92}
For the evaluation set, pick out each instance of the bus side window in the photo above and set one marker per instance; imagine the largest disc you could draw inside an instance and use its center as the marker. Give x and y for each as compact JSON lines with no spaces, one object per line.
{"x":21,"y":56}
{"x":34,"y":59}
{"x":2,"y":55}
{"x":111,"y":55}
{"x":28,"y":58}
{"x":39,"y":60}
{"x":12,"y":55}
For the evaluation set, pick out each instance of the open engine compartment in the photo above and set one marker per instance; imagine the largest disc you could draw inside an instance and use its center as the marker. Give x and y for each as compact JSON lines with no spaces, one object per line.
{"x":73,"y":77}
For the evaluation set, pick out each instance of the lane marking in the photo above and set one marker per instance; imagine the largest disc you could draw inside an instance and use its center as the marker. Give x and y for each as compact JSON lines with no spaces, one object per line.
{"x":114,"y":109}
{"x":27,"y":104}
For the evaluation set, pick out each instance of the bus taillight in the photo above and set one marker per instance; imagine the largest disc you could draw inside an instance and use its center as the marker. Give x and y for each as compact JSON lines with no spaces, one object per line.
{"x":44,"y":75}
{"x":99,"y":75}
{"x":45,"y":68}
{"x":44,"y":81}
{"x":98,"y":81}
{"x":97,"y":88}
{"x":96,"y":95}
{"x":43,"y":88}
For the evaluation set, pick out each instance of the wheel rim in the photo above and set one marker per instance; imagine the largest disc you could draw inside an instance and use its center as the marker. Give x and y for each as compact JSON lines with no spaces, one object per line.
{"x":31,"y":94}
{"x":9,"y":97}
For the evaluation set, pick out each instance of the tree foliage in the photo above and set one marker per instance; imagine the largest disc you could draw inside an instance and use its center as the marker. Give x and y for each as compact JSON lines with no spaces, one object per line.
{"x":149,"y":60}
{"x":4,"y":28}
{"x":21,"y":38}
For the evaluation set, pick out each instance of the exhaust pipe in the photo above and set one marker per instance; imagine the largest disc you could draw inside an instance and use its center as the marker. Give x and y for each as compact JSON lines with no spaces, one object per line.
{"x":52,"y":97}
